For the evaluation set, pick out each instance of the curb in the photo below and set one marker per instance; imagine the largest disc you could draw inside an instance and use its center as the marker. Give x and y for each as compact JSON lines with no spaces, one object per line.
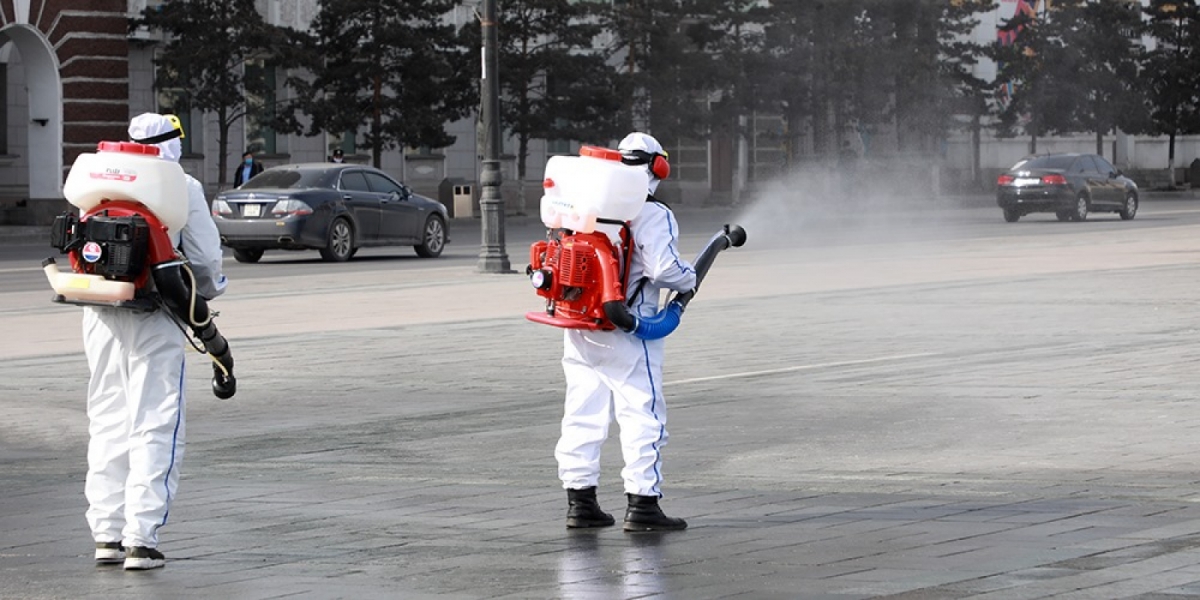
{"x":24,"y":234}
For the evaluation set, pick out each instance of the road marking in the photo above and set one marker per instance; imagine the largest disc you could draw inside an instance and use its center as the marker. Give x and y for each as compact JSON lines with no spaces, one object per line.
{"x":846,"y":363}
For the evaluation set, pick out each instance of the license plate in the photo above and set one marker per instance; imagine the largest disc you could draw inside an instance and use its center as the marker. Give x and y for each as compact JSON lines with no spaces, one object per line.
{"x":1027,"y":181}
{"x":252,"y":210}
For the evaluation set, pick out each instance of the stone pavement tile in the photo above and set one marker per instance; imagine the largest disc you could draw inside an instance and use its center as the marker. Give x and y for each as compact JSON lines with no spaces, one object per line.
{"x":1005,"y":581}
{"x":305,"y":588}
{"x":1146,"y":572}
{"x":883,"y":582}
{"x":1176,"y":530}
{"x":1133,"y":587}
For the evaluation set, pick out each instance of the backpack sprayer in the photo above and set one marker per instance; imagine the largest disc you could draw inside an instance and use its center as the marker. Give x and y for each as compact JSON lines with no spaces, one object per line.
{"x":120,"y":247}
{"x":582,"y":266}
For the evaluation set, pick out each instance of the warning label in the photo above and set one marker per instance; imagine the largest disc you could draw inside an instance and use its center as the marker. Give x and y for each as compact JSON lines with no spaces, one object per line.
{"x":115,"y":175}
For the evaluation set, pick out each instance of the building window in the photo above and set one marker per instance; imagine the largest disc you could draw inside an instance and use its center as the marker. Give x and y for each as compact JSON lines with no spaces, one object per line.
{"x":260,"y":108}
{"x":345,"y":142}
{"x":558,"y":147}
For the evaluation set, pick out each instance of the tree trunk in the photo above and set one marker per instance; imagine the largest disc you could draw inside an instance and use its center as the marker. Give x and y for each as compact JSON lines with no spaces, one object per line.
{"x":1171,"y":158}
{"x":222,"y":146}
{"x":522,"y":153}
{"x":1100,"y":144}
{"x":377,"y":125}
{"x":976,"y":154}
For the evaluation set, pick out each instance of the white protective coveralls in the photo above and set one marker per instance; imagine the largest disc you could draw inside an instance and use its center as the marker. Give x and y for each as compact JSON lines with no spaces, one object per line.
{"x":611,"y":372}
{"x":136,"y":391}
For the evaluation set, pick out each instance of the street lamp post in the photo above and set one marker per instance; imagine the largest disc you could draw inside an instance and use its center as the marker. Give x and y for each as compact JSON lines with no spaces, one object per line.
{"x":492,"y":256}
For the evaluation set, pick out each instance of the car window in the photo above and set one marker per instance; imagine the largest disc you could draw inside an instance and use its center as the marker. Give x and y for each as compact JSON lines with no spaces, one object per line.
{"x":1103,"y":165}
{"x":1059,"y":162}
{"x":1081,"y":166}
{"x":285,"y":178}
{"x":354,"y":181}
{"x":383,"y":185}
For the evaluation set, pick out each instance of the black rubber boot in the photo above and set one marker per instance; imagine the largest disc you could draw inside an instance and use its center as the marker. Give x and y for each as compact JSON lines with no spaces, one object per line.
{"x":584,"y":511}
{"x":644,"y":514}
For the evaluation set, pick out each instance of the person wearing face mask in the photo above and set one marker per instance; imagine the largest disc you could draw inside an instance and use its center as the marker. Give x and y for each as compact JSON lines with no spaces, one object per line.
{"x":247,"y":169}
{"x":338,"y":156}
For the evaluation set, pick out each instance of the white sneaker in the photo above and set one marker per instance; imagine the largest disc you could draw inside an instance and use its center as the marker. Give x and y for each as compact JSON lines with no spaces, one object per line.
{"x":109,"y":553}
{"x":140,"y":558}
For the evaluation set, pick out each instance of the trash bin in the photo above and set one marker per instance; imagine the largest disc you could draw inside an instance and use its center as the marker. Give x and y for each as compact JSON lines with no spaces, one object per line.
{"x":446,"y":194}
{"x":464,"y":200}
{"x":458,"y":196}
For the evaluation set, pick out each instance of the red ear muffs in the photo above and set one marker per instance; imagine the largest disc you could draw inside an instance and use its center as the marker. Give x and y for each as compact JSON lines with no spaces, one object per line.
{"x":659,"y":167}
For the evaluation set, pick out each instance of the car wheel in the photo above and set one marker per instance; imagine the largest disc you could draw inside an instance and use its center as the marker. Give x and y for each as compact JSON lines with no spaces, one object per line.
{"x":1011,"y":215}
{"x":339,"y":245}
{"x":433,"y":238}
{"x":1131,"y":206}
{"x":1063,"y":215}
{"x":247,"y":255}
{"x":1081,"y":208}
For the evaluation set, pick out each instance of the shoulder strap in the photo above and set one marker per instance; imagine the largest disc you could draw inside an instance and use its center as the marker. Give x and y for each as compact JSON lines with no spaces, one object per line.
{"x":626,"y":256}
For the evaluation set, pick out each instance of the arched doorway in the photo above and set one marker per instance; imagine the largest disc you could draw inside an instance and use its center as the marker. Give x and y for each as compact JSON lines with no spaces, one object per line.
{"x":44,"y":145}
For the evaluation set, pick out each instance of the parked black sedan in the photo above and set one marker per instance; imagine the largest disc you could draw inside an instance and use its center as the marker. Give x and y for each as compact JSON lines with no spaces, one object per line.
{"x":331,"y":207}
{"x":1068,"y":185}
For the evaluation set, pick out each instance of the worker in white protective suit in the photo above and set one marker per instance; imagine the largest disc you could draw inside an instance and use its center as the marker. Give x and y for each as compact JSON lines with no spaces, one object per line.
{"x":136,"y":392}
{"x":615,"y":374}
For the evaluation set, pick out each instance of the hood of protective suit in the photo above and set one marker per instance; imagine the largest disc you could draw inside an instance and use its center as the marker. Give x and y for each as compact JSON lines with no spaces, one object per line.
{"x":151,"y":124}
{"x":646,"y":143}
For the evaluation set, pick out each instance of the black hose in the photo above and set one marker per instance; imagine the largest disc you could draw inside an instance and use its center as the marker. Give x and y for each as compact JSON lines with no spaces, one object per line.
{"x":728,"y":237}
{"x":667,"y":320}
{"x":177,"y":294}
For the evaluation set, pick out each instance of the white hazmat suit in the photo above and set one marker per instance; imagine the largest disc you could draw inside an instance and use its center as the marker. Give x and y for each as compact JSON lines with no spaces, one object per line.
{"x":614,"y":373}
{"x":136,"y":392}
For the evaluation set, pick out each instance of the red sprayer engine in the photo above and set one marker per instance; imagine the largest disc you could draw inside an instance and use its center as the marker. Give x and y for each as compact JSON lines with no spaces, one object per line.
{"x":581,"y":267}
{"x":120,"y":247}
{"x":577,"y":274}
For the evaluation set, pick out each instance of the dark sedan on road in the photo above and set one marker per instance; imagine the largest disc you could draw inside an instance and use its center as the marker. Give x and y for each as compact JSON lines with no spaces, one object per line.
{"x":1068,"y":185}
{"x":331,"y":207}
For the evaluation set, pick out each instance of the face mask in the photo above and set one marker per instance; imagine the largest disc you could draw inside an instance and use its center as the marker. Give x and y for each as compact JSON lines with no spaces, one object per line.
{"x":337,"y":159}
{"x":249,"y":161}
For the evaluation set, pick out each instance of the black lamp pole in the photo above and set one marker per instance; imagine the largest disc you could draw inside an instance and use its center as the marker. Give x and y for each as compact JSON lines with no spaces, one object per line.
{"x":492,"y":257}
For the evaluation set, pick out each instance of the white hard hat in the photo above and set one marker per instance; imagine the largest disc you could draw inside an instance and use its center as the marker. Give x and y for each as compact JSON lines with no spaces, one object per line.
{"x":641,"y":141}
{"x":163,"y":131}
{"x":642,"y":149}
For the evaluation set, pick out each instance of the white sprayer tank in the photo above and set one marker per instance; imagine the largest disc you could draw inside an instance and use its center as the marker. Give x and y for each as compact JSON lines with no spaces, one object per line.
{"x":129,"y":171}
{"x":577,"y":190}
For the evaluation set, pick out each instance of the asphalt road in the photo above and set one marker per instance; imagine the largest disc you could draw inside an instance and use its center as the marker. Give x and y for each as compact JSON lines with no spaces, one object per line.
{"x":866,"y":400}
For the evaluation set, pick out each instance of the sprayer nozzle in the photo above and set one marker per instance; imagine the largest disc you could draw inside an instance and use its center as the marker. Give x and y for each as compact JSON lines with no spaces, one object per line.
{"x":737,"y":235}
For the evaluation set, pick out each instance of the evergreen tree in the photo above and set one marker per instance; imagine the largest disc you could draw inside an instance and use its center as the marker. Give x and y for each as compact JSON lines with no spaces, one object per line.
{"x":934,"y":74}
{"x":739,"y":76}
{"x":554,"y":85}
{"x":1107,"y":38}
{"x":393,"y":67}
{"x":669,"y":78}
{"x":1041,"y":69}
{"x":790,"y":52}
{"x":209,"y":43}
{"x":1171,"y":71}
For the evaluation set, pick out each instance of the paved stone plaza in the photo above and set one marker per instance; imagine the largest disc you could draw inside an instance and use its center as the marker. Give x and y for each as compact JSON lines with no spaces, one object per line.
{"x":933,"y":405}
